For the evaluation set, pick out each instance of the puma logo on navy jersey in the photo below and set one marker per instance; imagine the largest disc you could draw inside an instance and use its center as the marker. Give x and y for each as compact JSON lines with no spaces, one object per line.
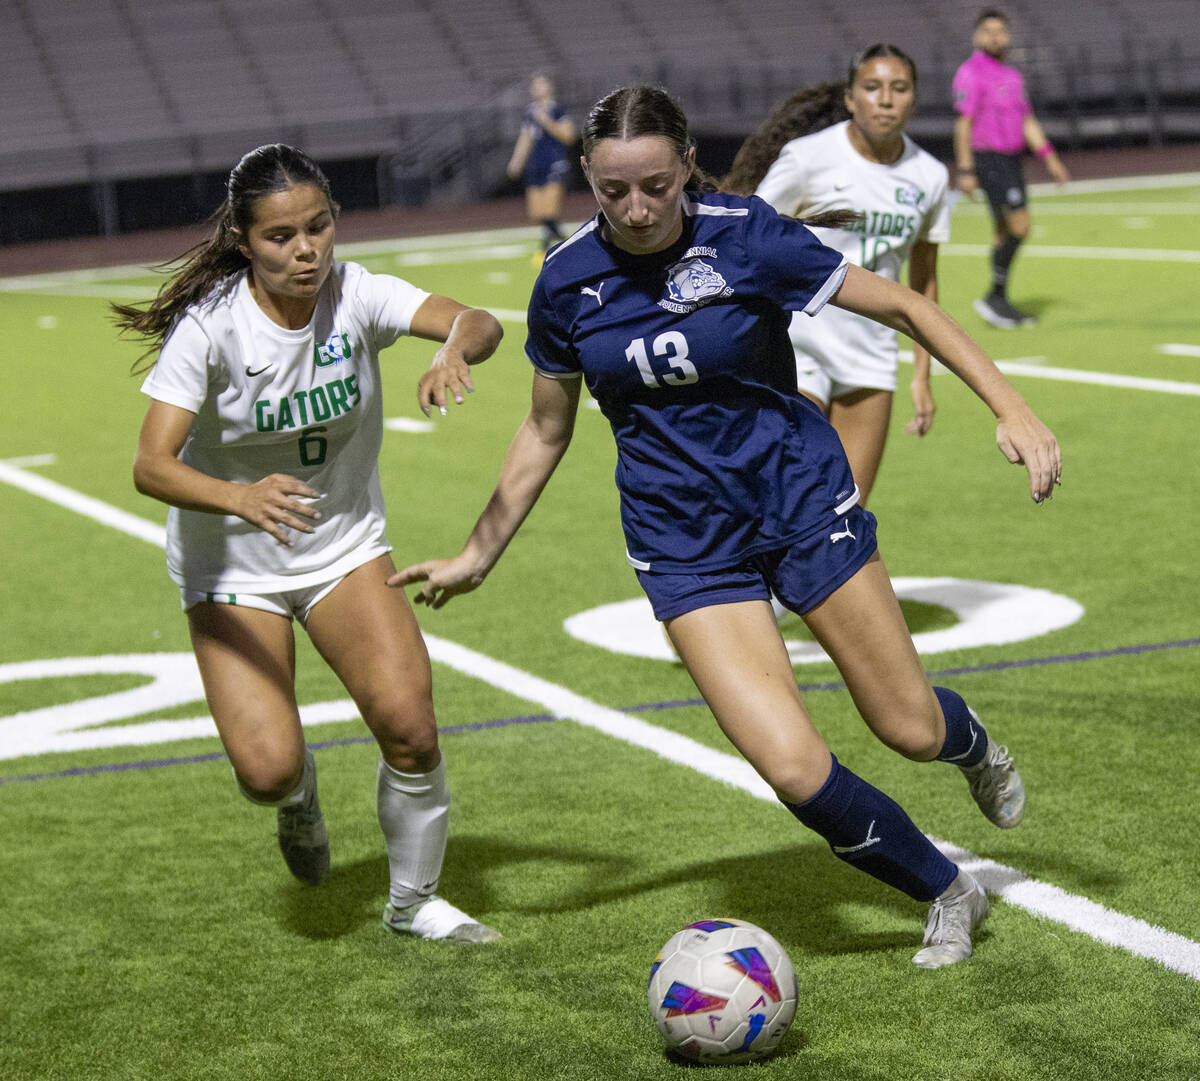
{"x":593,"y":292}
{"x":835,"y":537}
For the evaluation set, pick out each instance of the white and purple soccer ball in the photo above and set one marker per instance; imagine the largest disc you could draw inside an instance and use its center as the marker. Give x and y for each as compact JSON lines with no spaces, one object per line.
{"x":722,"y":991}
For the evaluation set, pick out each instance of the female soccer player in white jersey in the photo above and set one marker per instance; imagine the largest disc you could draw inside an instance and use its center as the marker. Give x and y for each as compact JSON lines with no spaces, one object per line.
{"x":673,"y":304}
{"x":263,"y":435}
{"x":842,"y":146}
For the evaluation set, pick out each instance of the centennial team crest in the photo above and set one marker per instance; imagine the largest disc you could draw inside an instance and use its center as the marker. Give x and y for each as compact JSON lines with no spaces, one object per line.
{"x":693,"y":281}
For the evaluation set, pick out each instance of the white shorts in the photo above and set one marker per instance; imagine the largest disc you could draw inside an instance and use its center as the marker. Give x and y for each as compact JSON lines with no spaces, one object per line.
{"x":295,"y":603}
{"x":816,"y":382}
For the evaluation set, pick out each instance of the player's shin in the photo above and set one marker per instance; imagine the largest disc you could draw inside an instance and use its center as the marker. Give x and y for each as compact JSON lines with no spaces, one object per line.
{"x":414,"y":814}
{"x":870,"y":831}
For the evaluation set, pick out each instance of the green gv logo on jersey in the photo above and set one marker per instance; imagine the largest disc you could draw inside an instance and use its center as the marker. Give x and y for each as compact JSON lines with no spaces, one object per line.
{"x":333,"y":351}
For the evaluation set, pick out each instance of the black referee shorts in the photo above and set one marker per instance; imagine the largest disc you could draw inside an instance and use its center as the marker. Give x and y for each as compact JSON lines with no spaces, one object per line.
{"x":1002,"y":178}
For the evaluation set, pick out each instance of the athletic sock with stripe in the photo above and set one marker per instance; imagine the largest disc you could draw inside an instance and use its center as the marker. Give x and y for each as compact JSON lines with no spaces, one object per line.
{"x":966,"y":739}
{"x":869,"y":830}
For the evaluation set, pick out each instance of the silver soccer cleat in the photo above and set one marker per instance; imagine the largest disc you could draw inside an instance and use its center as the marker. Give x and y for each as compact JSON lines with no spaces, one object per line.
{"x":303,"y":839}
{"x":996,"y":787}
{"x":954,"y":914}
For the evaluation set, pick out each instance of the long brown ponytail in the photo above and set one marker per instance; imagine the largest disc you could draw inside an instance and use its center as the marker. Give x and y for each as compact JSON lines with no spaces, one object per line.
{"x":195,"y":273}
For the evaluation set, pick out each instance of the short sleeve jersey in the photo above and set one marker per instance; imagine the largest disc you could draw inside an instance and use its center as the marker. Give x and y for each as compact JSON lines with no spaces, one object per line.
{"x":992,"y":94}
{"x":686,"y":352}
{"x":305,"y":403}
{"x":902,"y":203}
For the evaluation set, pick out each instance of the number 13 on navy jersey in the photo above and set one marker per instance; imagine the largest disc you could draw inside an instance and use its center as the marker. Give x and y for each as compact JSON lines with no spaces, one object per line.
{"x":670,"y":347}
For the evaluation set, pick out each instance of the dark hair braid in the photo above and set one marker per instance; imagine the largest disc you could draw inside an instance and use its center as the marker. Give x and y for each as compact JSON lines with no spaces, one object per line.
{"x":264,"y":171}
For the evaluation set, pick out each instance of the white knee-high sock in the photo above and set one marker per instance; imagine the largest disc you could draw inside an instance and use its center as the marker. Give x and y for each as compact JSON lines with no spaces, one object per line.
{"x":414,"y":814}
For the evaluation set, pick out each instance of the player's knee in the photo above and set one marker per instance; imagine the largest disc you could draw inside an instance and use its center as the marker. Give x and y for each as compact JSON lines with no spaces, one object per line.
{"x":914,"y":733}
{"x":406,"y":731}
{"x":269,"y":780}
{"x":796,"y":781}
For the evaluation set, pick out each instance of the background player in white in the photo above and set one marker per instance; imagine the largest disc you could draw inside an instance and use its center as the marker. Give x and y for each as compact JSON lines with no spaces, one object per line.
{"x":842,"y":146}
{"x":263,"y":434}
{"x":732,"y":485}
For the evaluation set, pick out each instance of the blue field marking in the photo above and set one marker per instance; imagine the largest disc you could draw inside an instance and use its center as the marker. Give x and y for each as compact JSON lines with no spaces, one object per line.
{"x":646,"y":707}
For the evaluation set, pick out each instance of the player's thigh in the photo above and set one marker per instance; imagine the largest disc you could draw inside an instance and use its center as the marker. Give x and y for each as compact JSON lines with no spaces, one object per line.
{"x":861,"y":419}
{"x":368,"y":635}
{"x":861,"y":626}
{"x":740,"y":665}
{"x":247,"y":661}
{"x":544,"y":201}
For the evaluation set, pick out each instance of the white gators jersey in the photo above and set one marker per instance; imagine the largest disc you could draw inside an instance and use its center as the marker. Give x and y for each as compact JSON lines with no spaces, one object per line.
{"x":270,"y":400}
{"x":902,"y":203}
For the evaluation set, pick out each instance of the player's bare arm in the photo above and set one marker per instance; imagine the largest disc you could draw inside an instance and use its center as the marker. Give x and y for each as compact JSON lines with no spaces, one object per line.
{"x":469,"y":336}
{"x":1021,"y":436}
{"x":532,"y":457}
{"x":273,"y":504}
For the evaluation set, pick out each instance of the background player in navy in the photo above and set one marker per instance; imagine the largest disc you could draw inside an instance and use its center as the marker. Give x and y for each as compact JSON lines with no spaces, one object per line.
{"x":674,"y":305}
{"x":263,"y":435}
{"x":540,"y":158}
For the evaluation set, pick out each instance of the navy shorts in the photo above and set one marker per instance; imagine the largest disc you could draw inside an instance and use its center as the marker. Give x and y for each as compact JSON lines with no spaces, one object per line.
{"x":1002,"y":178}
{"x":539,"y":173}
{"x":801,"y":576}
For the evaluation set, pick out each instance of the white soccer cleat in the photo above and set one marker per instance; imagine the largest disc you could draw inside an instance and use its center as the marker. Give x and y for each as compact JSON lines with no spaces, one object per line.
{"x":954,"y":914}
{"x":437,"y":918}
{"x":996,"y":786}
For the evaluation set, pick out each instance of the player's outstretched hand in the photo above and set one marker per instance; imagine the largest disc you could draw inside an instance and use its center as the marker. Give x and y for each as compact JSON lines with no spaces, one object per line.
{"x":1024,"y":439}
{"x":448,"y":376}
{"x":923,"y":409}
{"x":273,"y":506}
{"x":443,"y":578}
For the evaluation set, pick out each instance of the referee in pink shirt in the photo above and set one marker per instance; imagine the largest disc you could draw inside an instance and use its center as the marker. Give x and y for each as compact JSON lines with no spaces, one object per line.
{"x":995,"y":123}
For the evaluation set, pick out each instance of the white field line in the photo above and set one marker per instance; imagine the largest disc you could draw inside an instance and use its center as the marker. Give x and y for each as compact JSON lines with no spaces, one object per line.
{"x":1052,"y":208}
{"x":1116,"y":183}
{"x":491,"y":237}
{"x":1142,"y":939}
{"x":1036,"y":369}
{"x":1081,"y":251}
{"x":101,"y":283}
{"x":83,"y":504}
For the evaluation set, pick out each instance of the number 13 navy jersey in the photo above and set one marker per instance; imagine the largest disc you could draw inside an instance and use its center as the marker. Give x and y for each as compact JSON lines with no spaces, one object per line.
{"x":687,"y":353}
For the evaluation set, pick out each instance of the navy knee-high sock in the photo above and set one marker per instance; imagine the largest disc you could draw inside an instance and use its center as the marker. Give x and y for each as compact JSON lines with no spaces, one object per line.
{"x":870,"y":831}
{"x":966,"y":739}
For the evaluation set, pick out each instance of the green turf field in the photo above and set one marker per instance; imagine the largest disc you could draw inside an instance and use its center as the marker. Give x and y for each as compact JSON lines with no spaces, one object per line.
{"x":150,"y":930}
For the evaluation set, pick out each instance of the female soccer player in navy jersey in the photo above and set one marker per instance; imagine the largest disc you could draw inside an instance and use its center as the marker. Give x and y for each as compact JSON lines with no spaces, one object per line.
{"x":263,"y":434}
{"x":539,"y":158}
{"x":673,"y":304}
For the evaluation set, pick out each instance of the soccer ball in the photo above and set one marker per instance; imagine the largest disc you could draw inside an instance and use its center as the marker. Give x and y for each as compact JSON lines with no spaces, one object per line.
{"x":722,"y":991}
